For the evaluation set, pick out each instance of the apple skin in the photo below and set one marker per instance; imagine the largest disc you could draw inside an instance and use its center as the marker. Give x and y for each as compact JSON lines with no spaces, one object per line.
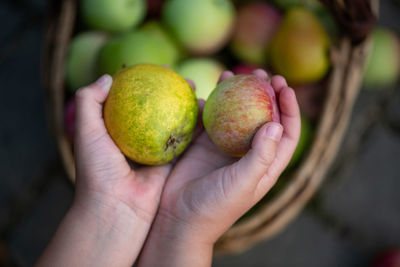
{"x":149,"y":44}
{"x":82,"y":56}
{"x":383,"y":65}
{"x":113,"y":15}
{"x":256,"y":24}
{"x":204,"y":72}
{"x":236,"y":109}
{"x":202,"y":26}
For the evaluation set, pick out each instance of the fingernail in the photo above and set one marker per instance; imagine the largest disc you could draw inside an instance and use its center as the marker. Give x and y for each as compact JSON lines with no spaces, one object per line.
{"x":261,"y":73}
{"x":274,"y":131}
{"x":191,"y":82}
{"x":104,"y":81}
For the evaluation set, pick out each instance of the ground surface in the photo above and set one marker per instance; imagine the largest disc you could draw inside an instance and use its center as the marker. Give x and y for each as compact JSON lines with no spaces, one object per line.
{"x":354,"y":216}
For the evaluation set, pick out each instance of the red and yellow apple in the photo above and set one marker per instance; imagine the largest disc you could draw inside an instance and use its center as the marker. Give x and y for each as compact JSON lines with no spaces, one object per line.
{"x":236,"y":109}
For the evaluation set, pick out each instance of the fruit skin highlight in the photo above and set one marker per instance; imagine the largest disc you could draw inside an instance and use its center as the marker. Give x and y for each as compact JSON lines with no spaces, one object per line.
{"x":150,"y":113}
{"x":236,"y":109}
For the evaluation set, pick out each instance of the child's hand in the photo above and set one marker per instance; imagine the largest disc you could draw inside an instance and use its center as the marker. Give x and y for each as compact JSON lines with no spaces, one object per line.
{"x":114,"y":203}
{"x":104,"y":175}
{"x":207,"y":191}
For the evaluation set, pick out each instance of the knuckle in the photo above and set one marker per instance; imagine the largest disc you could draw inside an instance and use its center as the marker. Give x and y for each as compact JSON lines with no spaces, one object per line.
{"x":225,"y":184}
{"x":266,"y":157}
{"x":83,"y":92}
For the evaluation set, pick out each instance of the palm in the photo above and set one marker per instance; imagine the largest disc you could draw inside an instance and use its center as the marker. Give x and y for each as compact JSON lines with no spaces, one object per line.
{"x":195,"y":171}
{"x":113,"y":175}
{"x":202,"y":158}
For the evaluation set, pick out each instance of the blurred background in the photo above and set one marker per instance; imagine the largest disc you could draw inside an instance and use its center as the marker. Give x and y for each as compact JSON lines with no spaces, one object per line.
{"x":353,"y":219}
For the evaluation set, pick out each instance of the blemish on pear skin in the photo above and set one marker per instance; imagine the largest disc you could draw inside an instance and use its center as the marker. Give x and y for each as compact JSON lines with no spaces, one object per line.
{"x":171,"y":142}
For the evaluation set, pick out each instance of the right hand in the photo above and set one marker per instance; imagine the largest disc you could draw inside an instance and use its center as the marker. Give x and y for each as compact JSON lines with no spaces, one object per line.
{"x":208,"y":190}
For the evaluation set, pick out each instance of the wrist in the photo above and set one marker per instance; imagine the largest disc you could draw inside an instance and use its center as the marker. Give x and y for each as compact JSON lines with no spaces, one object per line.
{"x":104,"y":208}
{"x":96,"y":235}
{"x":106,"y":231}
{"x":106,"y":213}
{"x":177,"y":244}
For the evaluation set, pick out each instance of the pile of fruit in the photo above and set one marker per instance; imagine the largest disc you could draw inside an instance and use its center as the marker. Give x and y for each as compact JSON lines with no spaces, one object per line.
{"x":200,"y":38}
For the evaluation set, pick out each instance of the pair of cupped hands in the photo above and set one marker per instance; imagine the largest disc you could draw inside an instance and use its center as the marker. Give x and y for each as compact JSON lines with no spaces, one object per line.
{"x":168,"y":215}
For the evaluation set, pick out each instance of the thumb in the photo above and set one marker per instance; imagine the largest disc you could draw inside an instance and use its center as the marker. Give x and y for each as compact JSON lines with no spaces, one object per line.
{"x":89,"y":107}
{"x":254,"y":165}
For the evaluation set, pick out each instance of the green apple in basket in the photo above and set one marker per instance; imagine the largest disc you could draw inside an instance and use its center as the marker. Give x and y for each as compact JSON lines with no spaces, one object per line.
{"x":113,"y":15}
{"x":304,"y":141}
{"x":204,"y":72}
{"x":202,"y":26}
{"x":81,"y":68}
{"x":149,"y":44}
{"x":383,"y":64}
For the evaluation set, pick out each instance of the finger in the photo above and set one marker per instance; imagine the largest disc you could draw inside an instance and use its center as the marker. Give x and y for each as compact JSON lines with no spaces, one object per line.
{"x":278,"y":83}
{"x":261,"y":74}
{"x":290,"y":119}
{"x":290,"y":113}
{"x":192,"y":84}
{"x":94,"y":148}
{"x":254,"y":165}
{"x":225,"y":75}
{"x":89,"y":106}
{"x":201,"y":103}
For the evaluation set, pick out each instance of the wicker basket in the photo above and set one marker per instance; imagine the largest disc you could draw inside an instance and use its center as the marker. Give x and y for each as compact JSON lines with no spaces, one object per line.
{"x":348,"y":57}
